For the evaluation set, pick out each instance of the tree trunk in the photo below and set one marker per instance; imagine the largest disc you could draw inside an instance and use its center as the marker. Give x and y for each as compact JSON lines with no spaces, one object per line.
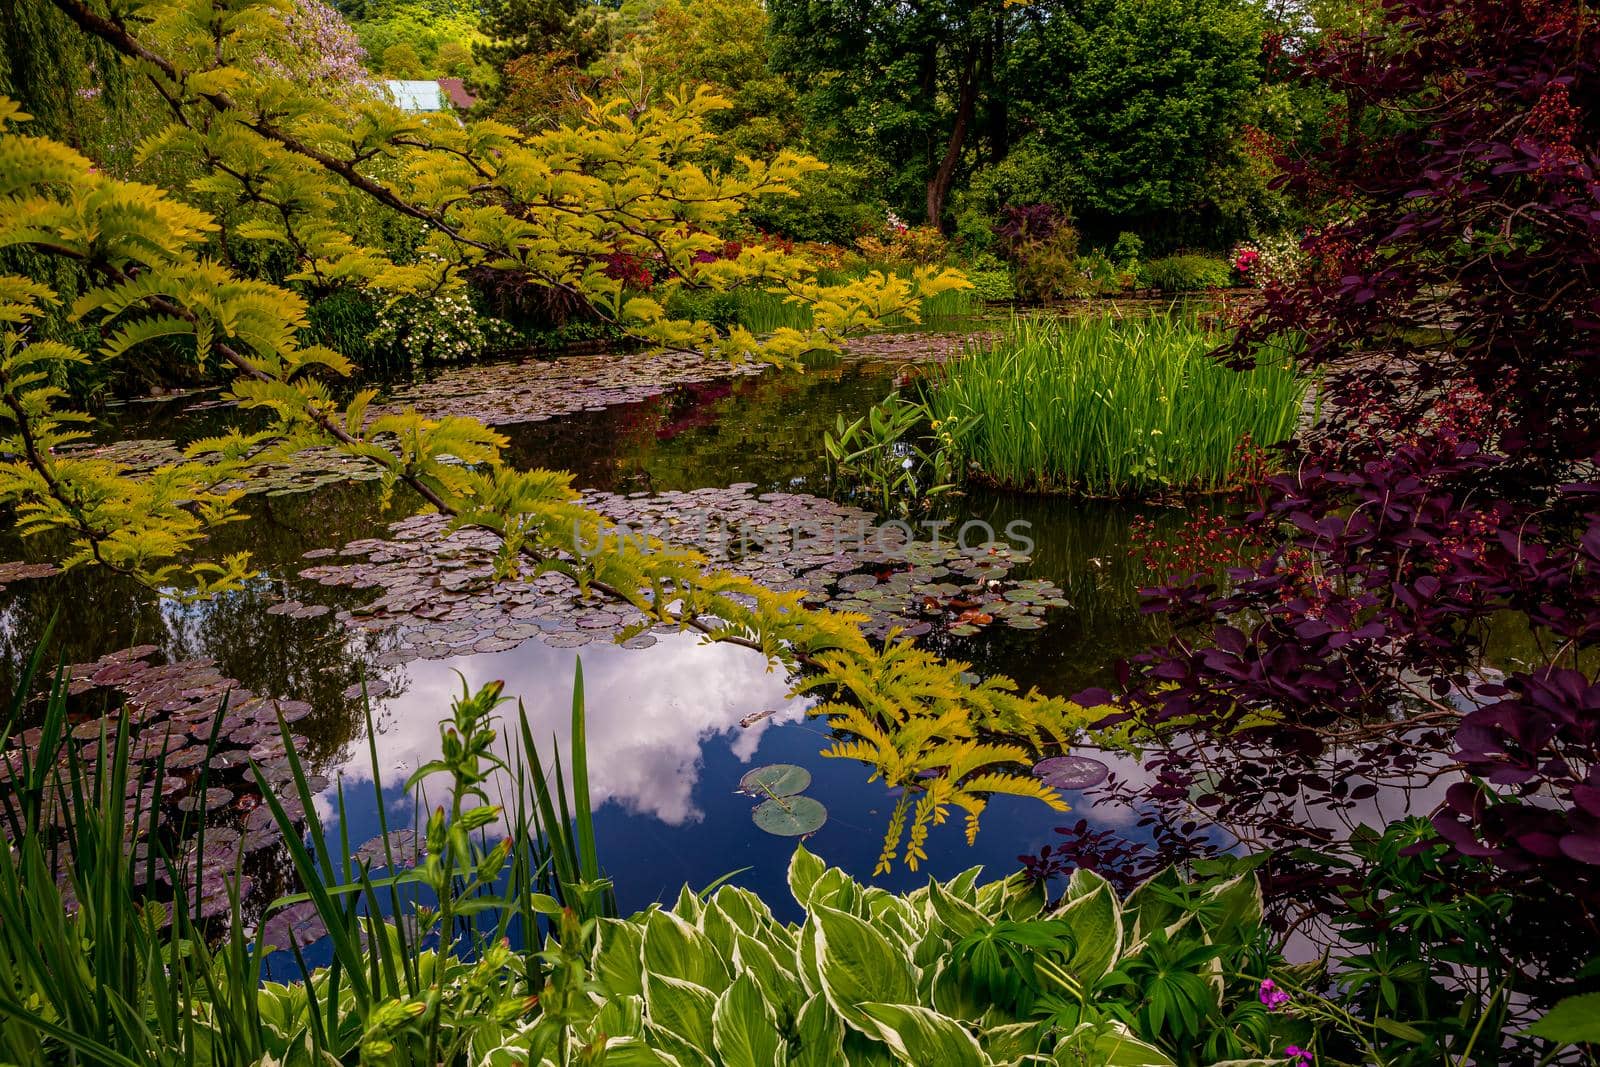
{"x":944,"y":177}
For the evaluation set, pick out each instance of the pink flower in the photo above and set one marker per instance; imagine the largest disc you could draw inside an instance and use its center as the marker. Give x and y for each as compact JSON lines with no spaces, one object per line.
{"x":1270,"y":995}
{"x":1299,"y":1057}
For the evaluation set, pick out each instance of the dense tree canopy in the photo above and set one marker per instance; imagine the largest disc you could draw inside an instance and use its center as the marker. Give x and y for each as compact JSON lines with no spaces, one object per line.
{"x":1132,"y":104}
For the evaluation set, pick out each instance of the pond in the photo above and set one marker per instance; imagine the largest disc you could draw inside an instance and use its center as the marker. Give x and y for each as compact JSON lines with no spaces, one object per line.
{"x":672,"y":723}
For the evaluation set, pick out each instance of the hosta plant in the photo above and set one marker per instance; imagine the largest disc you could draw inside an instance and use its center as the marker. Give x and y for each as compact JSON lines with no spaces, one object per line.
{"x":956,"y":973}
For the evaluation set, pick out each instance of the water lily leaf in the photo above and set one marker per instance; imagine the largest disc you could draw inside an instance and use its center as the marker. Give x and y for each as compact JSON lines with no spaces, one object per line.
{"x":1071,"y":772}
{"x":790,"y":816}
{"x":775,"y":779}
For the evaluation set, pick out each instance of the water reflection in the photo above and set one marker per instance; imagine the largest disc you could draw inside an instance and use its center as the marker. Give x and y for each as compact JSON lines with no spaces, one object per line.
{"x":650,"y":714}
{"x":666,"y":748}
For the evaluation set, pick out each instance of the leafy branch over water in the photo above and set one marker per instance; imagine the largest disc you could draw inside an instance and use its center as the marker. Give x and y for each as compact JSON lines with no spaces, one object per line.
{"x":147,"y":278}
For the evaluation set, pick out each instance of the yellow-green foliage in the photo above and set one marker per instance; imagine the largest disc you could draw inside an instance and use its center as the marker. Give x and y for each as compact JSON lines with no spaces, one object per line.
{"x":554,"y":205}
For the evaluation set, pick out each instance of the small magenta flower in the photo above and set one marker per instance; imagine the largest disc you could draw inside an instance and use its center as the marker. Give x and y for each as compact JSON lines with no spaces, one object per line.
{"x":1273,"y":997}
{"x":1298,"y":1057}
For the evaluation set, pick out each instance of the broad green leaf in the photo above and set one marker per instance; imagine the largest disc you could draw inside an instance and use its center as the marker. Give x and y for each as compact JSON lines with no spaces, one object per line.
{"x":858,"y":965}
{"x":1571,"y":1021}
{"x":1012,"y":1042}
{"x":964,"y":886}
{"x":805,"y":955}
{"x":1107,"y":1045}
{"x":804,"y":870}
{"x":674,"y":949}
{"x":621,"y":1017}
{"x":920,"y":1036}
{"x":776,"y":779}
{"x":1083,"y":882}
{"x":681,"y":1007}
{"x":719,"y":929}
{"x":1149,"y":909}
{"x":953,"y":913}
{"x":636,"y":1052}
{"x":682,"y":1051}
{"x":744,"y":1031}
{"x":1096,"y":924}
{"x":821,"y":1035}
{"x":617,"y":963}
{"x":746,"y":910}
{"x":779,"y":985}
{"x":1238,"y":906}
{"x":687,"y":906}
{"x":953,"y":996}
{"x":1024,"y":899}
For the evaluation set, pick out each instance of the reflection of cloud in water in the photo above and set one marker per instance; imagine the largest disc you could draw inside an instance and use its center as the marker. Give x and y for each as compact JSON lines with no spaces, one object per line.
{"x":648,"y":710}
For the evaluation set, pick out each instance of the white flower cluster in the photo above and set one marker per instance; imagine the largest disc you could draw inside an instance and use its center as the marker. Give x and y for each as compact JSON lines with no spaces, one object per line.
{"x":1281,"y":261}
{"x":435,"y":329}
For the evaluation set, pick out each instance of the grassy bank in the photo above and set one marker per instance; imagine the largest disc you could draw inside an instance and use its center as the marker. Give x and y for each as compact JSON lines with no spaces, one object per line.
{"x":1110,"y":407}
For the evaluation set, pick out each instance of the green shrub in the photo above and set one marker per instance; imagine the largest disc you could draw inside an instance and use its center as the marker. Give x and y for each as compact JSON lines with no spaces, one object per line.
{"x":993,"y":283}
{"x":1184,"y":274}
{"x":1110,"y":407}
{"x":1101,"y":276}
{"x":343,"y":321}
{"x":1128,"y":250}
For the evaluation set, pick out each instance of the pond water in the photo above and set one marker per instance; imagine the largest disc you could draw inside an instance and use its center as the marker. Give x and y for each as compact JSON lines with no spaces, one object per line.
{"x":666,"y":737}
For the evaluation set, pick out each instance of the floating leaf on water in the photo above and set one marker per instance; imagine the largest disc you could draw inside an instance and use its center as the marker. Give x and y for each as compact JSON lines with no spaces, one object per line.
{"x":406,"y":846}
{"x":298,"y":924}
{"x":775,"y":779}
{"x":790,"y":816}
{"x":1071,"y":772}
{"x":756,"y":716}
{"x":215,"y":797}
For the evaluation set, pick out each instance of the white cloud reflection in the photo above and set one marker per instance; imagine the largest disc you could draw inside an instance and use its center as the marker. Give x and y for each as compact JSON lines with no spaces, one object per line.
{"x":649,"y":712}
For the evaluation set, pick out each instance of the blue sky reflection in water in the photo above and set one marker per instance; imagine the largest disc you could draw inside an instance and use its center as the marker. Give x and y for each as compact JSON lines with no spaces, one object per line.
{"x":666,"y":752}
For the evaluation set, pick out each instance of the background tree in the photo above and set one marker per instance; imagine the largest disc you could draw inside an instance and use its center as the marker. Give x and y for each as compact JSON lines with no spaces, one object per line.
{"x":515,"y":28}
{"x":909,"y":88}
{"x":1128,"y":107}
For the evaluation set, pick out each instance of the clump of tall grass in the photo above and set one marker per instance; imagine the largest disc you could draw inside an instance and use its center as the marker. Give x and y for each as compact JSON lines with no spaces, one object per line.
{"x":1111,"y":407}
{"x":99,"y":971}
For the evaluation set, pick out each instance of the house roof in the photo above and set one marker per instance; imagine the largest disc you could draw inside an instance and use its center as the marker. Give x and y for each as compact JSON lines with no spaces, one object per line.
{"x":416,"y":95}
{"x":456,"y":90}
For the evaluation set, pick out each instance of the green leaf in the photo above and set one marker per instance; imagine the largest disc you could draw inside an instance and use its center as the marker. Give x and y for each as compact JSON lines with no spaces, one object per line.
{"x":821,"y":1034}
{"x":674,"y":949}
{"x":804,"y":870}
{"x":1404,"y":1031}
{"x":743,"y":1029}
{"x":1572,"y":1021}
{"x":858,"y":965}
{"x":921,"y":1036}
{"x":621,"y":1017}
{"x":1108,"y":1045}
{"x":954,"y":914}
{"x":1235,"y":904}
{"x":631,"y":1051}
{"x":682,"y":1007}
{"x":1096,"y":923}
{"x":775,"y":779}
{"x":779,"y":986}
{"x":617,"y":957}
{"x":790,"y":816}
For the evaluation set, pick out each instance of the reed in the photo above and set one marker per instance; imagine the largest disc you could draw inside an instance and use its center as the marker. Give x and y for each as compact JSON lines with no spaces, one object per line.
{"x":1111,"y":407}
{"x":101,"y":969}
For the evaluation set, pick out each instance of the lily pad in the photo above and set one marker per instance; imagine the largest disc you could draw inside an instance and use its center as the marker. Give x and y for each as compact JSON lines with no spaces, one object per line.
{"x":790,"y":816}
{"x":775,"y":779}
{"x":1071,"y":772}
